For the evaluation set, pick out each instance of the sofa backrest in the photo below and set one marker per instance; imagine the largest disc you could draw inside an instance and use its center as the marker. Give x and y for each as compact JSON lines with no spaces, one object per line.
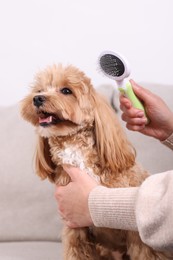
{"x":27,"y":205}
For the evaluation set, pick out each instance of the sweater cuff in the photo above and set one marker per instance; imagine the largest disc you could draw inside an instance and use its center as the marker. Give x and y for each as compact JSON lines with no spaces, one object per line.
{"x":113,"y":207}
{"x":169,"y":142}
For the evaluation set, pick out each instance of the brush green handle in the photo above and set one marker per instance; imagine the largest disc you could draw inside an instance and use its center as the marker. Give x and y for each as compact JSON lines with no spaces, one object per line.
{"x":128,"y":92}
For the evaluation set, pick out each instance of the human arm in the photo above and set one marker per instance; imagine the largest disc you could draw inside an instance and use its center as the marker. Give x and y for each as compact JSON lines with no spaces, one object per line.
{"x":148,"y":208}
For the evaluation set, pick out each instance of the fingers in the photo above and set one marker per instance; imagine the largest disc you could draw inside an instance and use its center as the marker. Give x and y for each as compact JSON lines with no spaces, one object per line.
{"x":79,"y":176}
{"x":73,"y":172}
{"x":67,"y":220}
{"x":136,"y":123}
{"x":124,"y":103}
{"x":135,"y":127}
{"x":143,"y":93}
{"x":134,"y":118}
{"x":129,"y":112}
{"x":72,"y":224}
{"x":58,"y":191}
{"x":61,"y":210}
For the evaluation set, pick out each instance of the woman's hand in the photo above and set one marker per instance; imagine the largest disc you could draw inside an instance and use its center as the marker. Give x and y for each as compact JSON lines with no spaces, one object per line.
{"x":73,"y":198}
{"x":160,"y":116}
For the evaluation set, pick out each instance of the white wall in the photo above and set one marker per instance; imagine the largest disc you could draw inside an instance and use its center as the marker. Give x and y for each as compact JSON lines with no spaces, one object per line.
{"x":36,"y":33}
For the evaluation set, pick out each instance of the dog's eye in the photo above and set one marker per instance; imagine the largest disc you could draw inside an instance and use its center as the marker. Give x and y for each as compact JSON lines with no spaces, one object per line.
{"x":66,"y":91}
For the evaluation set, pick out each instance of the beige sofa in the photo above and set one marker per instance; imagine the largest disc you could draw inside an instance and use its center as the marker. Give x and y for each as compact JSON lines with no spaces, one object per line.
{"x":30,"y":228}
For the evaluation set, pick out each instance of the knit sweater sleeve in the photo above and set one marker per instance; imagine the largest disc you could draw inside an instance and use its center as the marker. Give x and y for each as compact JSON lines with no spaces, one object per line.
{"x":113,"y":208}
{"x":154,"y":211}
{"x":148,"y":209}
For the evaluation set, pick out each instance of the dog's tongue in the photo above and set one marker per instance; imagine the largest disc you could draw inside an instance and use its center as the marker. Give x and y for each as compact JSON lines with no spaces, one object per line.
{"x":45,"y":120}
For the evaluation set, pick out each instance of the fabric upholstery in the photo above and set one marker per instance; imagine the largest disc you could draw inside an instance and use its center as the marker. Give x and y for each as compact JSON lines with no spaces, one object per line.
{"x":30,"y":251}
{"x":27,"y":204}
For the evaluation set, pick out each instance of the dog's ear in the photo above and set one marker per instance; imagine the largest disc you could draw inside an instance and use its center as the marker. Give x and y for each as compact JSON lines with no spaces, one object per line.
{"x":112,"y":145}
{"x":43,"y":163}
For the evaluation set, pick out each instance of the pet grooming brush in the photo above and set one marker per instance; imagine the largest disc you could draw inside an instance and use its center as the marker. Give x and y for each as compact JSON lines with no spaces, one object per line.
{"x":116,"y":67}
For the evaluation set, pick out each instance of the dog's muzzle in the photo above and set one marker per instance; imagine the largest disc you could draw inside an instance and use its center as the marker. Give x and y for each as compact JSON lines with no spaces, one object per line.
{"x":39,"y":100}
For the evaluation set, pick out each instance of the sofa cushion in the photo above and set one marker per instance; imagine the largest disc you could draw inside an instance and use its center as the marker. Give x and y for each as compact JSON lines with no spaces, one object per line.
{"x":31,"y":251}
{"x":27,"y":204}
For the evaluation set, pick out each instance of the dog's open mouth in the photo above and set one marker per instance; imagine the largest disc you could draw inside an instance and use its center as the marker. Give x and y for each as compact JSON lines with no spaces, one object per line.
{"x":47,"y":119}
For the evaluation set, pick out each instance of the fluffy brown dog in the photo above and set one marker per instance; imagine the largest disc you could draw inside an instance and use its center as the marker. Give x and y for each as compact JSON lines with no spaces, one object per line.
{"x":75,"y":125}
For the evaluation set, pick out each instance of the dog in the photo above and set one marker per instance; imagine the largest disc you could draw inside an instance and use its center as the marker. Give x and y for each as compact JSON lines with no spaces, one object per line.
{"x":75,"y":125}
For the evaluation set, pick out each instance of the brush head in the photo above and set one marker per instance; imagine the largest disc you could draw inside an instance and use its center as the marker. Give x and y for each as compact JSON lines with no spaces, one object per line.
{"x":114,"y":65}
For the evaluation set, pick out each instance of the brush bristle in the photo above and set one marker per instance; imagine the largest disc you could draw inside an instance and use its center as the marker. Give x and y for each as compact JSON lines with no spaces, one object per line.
{"x":111,"y":65}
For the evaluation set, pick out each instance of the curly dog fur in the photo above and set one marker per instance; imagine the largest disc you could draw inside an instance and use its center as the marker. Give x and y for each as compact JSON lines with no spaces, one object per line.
{"x":75,"y":125}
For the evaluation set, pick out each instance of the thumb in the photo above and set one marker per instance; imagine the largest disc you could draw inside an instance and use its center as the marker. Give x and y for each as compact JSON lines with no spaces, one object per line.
{"x":78,"y":175}
{"x":142,"y":93}
{"x":72,"y":171}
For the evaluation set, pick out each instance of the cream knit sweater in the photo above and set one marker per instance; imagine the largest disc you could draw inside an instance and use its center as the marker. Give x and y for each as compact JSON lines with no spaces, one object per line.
{"x":148,"y":208}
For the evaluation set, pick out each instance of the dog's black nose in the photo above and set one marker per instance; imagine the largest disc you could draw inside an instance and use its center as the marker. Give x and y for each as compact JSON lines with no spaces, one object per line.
{"x":39,"y":100}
